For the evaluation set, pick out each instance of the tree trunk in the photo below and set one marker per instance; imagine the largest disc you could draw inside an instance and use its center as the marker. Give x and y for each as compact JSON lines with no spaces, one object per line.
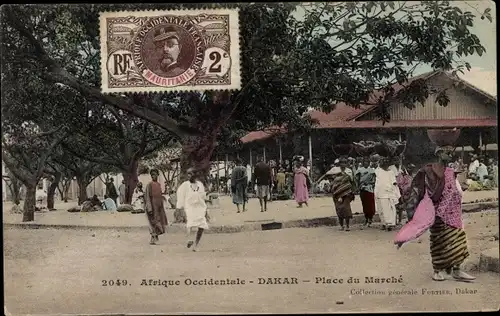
{"x":131,"y":180}
{"x":66,"y":192}
{"x":60,"y":189}
{"x":29,"y":203}
{"x":196,"y":153}
{"x":52,"y":191}
{"x":15,"y":190}
{"x":83,"y":183}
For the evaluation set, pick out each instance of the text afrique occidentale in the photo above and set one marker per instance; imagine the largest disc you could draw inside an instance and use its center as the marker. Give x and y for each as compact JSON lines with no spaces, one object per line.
{"x":271,"y":281}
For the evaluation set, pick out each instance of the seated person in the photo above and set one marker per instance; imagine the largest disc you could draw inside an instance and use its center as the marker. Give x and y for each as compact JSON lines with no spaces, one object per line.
{"x":473,"y":183}
{"x":488,"y":183}
{"x":16,"y":209}
{"x":87,"y":206}
{"x":96,"y":202}
{"x":41,"y":196}
{"x":138,"y":198}
{"x":326,"y":186}
{"x":109,"y":204}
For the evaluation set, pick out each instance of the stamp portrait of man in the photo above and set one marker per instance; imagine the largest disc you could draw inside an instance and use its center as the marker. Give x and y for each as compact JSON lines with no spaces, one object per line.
{"x":168,"y":40}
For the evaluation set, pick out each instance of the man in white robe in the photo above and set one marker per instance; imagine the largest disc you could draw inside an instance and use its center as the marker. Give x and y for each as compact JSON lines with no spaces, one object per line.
{"x":474,"y":164}
{"x":387,"y":195}
{"x":191,"y":198}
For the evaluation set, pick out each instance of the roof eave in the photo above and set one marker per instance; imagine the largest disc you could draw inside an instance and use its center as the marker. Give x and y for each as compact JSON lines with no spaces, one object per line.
{"x":368,"y":110}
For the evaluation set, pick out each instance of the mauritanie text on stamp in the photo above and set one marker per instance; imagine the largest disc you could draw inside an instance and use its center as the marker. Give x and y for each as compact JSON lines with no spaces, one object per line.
{"x":159,"y":51}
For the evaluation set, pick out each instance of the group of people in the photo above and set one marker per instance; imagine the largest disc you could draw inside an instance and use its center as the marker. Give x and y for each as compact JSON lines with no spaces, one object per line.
{"x":264,"y":181}
{"x":431,"y":197}
{"x":480,"y":174}
{"x":190,"y":197}
{"x":376,"y":181}
{"x":385,"y":187}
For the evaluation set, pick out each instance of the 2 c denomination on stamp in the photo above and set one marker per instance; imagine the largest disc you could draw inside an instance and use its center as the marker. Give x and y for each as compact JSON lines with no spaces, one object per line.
{"x":178,"y":50}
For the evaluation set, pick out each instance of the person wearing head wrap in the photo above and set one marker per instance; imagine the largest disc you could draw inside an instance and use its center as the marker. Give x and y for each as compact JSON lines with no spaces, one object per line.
{"x":301,"y":184}
{"x":365,"y":177}
{"x":342,"y":189}
{"x":336,"y":168}
{"x":155,"y":212}
{"x":448,"y":241}
{"x":386,"y":194}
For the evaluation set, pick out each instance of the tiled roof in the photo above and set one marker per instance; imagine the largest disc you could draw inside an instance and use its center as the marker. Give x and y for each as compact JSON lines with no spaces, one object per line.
{"x":481,"y":122}
{"x":261,"y":135}
{"x":343,"y":116}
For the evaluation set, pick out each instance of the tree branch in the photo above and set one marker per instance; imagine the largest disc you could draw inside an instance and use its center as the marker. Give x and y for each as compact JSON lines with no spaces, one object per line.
{"x":144,"y":142}
{"x":57,"y":74}
{"x":49,"y":133}
{"x":48,"y":151}
{"x":11,"y":165}
{"x":92,"y":159}
{"x":118,"y":119}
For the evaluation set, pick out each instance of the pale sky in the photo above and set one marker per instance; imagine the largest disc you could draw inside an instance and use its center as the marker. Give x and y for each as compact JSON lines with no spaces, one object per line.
{"x":483,"y":73}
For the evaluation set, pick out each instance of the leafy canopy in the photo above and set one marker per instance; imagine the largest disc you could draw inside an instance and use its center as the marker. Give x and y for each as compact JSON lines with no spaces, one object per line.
{"x":294,"y":56}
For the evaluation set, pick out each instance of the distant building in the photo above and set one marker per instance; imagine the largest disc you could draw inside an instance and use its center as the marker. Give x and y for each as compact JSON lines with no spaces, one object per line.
{"x":472,"y":110}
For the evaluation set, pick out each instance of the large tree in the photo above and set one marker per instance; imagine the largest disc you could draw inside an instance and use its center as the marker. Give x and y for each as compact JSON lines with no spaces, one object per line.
{"x":166,"y":161}
{"x":293,"y":57}
{"x":26,"y":145}
{"x":108,"y":137}
{"x":54,"y":175}
{"x":71,"y":167}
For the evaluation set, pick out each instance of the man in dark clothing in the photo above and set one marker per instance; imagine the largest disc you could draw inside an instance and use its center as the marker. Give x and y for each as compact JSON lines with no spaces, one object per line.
{"x":262,"y":175}
{"x":111,"y":190}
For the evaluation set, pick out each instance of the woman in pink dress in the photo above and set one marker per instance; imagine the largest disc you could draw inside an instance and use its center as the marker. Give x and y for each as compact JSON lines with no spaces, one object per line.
{"x":301,"y":179}
{"x":448,"y":241}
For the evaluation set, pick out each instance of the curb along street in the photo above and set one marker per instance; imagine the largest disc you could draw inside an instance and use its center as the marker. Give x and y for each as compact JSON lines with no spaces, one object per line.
{"x":245,"y":227}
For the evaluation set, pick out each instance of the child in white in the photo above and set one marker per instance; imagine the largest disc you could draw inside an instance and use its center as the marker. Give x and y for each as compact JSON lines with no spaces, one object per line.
{"x":191,"y":197}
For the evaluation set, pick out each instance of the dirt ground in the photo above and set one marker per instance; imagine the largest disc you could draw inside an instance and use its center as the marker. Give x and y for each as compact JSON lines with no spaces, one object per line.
{"x":50,"y":271}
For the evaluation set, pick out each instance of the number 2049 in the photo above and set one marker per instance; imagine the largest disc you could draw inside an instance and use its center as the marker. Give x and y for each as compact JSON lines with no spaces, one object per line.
{"x":114,"y":282}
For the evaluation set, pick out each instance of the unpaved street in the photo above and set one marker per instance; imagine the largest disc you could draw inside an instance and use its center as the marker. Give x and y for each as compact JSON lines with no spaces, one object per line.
{"x":50,"y":271}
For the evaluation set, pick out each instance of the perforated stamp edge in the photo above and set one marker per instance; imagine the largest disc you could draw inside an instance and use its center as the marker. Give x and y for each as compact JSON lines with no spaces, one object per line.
{"x":235,"y":51}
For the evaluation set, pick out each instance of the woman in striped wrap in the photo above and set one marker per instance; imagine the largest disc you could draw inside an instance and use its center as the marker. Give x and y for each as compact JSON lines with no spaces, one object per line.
{"x":342,"y":189}
{"x":448,"y":241}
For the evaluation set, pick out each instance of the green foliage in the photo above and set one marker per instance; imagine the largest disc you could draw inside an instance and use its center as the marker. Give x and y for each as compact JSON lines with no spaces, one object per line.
{"x":293,"y":57}
{"x":27,"y":141}
{"x":74,"y":167}
{"x":142,"y":169}
{"x":165,"y":161}
{"x":108,"y":136}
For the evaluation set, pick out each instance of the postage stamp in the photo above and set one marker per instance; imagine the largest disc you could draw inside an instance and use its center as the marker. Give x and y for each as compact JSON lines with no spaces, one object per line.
{"x":177,"y":50}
